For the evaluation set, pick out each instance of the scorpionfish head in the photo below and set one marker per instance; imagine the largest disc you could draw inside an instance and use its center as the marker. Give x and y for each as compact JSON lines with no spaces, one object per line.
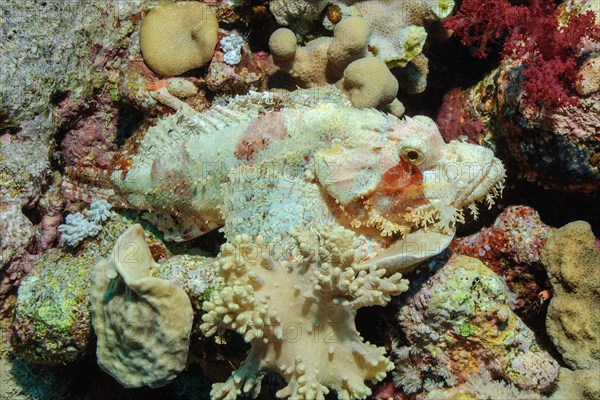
{"x":390,"y":182}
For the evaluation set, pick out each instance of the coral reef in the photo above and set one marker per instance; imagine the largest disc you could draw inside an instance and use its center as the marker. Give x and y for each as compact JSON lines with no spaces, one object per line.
{"x":52,"y":317}
{"x":299,"y":318}
{"x":482,"y":387}
{"x":40,"y":71}
{"x":31,"y":58}
{"x":392,"y":31}
{"x":177,"y":37}
{"x":397,"y":26}
{"x":497,"y":112}
{"x":511,"y":248}
{"x":49,"y":84}
{"x":573,"y":265}
{"x":148,"y":319}
{"x":540,"y":36}
{"x":52,"y":320}
{"x":164,"y":131}
{"x":458,"y":324}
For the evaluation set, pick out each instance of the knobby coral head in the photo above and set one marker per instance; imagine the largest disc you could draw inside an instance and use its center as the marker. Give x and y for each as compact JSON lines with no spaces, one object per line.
{"x":177,"y":37}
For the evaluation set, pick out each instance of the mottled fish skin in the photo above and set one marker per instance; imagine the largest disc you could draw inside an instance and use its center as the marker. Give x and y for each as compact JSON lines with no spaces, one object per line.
{"x":258,"y":168}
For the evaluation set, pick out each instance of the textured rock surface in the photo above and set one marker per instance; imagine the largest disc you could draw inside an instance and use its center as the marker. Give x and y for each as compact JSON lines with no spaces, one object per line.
{"x":398,"y":27}
{"x":22,"y":381}
{"x":460,"y":324}
{"x":248,"y":74}
{"x":511,"y":248}
{"x":579,"y":384}
{"x":196,"y":275}
{"x":572,"y":261}
{"x":17,"y":232}
{"x":491,"y":113}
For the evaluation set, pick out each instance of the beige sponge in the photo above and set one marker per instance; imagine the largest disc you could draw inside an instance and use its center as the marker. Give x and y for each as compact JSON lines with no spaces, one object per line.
{"x":177,"y":37}
{"x":143,"y":323}
{"x":369,"y":83}
{"x":573,"y":322}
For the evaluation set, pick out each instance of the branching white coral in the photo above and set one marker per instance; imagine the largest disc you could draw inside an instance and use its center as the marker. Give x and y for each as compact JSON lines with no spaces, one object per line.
{"x":78,"y":226}
{"x":232,"y":48}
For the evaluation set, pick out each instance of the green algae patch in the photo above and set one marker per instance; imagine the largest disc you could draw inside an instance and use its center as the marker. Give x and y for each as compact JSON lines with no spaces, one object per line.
{"x":52,"y":319}
{"x":466,"y":330}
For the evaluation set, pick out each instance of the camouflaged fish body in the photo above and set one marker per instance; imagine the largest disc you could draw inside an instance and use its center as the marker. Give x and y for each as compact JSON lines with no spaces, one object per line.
{"x":265,"y":164}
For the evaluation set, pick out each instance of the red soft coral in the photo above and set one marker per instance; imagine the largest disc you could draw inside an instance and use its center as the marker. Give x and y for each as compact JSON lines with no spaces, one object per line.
{"x":532,"y":34}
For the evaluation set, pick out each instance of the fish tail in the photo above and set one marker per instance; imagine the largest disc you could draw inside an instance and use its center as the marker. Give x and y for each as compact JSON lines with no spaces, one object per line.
{"x":88,"y":183}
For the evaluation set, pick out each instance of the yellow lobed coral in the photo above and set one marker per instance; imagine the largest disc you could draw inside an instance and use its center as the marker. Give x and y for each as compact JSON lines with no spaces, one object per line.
{"x":322,"y":60}
{"x":299,"y":316}
{"x":341,"y":60}
{"x":177,"y":37}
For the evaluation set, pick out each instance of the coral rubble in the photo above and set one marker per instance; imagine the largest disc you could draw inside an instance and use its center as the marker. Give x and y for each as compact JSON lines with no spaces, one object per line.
{"x":460,"y":324}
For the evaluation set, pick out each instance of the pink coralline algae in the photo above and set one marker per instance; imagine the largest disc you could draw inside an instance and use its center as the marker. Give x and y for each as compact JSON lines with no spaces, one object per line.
{"x":455,"y":120}
{"x":511,"y":248}
{"x":92,"y":136}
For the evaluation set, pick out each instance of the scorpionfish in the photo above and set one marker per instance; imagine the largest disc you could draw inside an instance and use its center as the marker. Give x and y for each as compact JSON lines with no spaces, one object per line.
{"x":266,"y":163}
